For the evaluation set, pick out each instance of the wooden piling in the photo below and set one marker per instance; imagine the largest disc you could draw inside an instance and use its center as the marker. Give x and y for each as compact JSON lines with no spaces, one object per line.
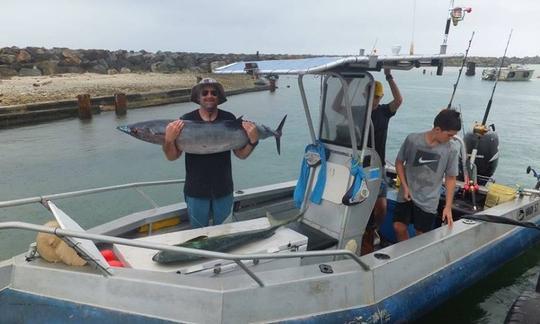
{"x":272,"y":85}
{"x":85,"y":106}
{"x":120,"y":104}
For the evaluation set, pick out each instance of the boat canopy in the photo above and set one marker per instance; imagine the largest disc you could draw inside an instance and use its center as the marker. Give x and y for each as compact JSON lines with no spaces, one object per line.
{"x":319,"y":65}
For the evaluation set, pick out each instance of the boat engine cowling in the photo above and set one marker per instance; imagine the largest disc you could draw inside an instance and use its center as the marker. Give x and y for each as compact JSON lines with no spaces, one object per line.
{"x":487,"y":155}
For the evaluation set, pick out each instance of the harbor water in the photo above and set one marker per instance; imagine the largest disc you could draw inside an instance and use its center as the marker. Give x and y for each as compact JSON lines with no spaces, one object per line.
{"x":70,"y":155}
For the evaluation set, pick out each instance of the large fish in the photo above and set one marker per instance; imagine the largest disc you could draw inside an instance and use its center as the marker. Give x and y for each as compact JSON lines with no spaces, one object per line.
{"x":199,"y":137}
{"x":222,"y":243}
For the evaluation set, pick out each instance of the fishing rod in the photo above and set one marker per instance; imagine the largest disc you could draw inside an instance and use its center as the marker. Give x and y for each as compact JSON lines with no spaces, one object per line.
{"x":456,"y":14}
{"x":500,"y":220}
{"x":488,"y":108}
{"x":460,"y":70}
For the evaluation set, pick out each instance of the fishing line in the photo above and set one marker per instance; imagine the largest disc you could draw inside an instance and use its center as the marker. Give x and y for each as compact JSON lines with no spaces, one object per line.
{"x":488,"y":108}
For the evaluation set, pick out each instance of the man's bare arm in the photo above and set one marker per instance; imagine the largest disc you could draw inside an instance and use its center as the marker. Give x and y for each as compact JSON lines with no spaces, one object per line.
{"x":397,"y":98}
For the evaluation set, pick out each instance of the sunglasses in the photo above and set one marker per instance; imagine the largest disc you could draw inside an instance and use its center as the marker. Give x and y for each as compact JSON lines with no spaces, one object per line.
{"x":205,"y":93}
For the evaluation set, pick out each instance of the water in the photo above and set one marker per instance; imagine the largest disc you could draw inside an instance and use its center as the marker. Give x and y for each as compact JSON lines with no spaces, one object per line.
{"x":71,"y":155}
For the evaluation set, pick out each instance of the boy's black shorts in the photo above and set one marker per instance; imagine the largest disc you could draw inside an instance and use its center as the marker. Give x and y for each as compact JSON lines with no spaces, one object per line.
{"x":408,"y":213}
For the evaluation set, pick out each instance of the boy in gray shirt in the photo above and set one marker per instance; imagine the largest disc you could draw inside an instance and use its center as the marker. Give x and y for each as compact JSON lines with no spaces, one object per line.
{"x":423,"y":161}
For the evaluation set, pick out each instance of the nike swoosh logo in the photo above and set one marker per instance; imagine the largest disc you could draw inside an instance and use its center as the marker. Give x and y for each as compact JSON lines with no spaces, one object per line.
{"x":422,"y":161}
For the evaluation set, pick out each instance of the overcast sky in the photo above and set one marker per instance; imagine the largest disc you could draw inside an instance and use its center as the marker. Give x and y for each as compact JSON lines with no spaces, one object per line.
{"x":271,"y":26}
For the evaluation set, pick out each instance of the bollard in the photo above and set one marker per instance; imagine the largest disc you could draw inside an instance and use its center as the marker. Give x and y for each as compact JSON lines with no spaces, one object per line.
{"x":272,"y":85}
{"x":85,"y":106}
{"x":199,"y":79}
{"x":120,"y":104}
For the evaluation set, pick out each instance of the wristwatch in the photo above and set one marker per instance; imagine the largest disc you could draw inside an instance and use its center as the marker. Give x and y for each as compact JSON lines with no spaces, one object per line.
{"x":389,"y":77}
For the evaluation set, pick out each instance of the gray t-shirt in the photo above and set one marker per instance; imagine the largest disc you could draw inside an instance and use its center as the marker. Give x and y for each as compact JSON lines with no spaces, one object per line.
{"x":425,"y":169}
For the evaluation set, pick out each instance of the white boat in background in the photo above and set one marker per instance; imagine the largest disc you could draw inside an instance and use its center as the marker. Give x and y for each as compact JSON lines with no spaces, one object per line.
{"x":514,"y":72}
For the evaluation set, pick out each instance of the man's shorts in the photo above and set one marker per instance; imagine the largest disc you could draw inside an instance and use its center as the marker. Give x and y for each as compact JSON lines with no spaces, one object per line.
{"x":409,"y":213}
{"x":200,"y":210}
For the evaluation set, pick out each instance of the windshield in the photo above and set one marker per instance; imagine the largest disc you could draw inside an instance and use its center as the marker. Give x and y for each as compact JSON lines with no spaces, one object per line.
{"x":334,"y":122}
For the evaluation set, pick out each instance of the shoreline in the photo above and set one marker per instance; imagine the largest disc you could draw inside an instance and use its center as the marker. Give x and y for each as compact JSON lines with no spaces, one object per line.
{"x":34,"y":100}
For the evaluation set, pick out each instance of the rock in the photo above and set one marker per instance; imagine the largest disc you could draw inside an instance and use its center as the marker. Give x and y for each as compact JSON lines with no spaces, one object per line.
{"x":7,"y":59}
{"x":70,"y":69}
{"x":125,"y":70}
{"x":98,"y":68}
{"x":7,"y":71}
{"x":112,"y":71}
{"x":29,"y":72}
{"x":71,"y":57}
{"x":165,"y":66}
{"x":23,"y":56}
{"x":135,"y":58}
{"x":39,"y":54}
{"x":40,"y":84}
{"x":48,"y":67}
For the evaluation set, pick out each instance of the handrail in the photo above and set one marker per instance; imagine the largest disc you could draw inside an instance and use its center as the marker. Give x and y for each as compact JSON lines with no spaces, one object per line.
{"x":163,"y":247}
{"x":39,"y":199}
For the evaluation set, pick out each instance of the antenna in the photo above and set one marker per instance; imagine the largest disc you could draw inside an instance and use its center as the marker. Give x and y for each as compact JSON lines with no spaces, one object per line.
{"x":411,"y":49}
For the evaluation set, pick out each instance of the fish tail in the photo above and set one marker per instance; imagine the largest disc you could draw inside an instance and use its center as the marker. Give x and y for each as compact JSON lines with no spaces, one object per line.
{"x":276,"y":222}
{"x":277,"y":134}
{"x":273,"y":222}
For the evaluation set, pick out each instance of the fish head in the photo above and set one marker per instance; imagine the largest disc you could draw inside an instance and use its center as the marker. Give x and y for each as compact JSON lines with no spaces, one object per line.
{"x":151,"y":131}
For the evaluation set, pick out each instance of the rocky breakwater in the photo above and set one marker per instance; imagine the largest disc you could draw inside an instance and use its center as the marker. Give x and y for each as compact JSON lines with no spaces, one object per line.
{"x":37,"y":61}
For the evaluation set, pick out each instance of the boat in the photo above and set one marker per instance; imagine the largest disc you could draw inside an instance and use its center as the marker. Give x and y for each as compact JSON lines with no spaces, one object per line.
{"x":309,"y":270}
{"x":513,"y":72}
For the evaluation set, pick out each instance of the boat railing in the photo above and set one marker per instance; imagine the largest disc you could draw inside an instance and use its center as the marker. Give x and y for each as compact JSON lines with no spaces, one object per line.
{"x":135,"y":185}
{"x":237,"y":258}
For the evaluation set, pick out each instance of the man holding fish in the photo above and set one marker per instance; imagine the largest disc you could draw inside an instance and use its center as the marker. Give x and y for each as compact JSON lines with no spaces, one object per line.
{"x":208,"y":189}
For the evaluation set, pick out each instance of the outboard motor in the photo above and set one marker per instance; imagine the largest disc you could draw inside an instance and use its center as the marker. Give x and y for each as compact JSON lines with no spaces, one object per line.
{"x":486,"y":143}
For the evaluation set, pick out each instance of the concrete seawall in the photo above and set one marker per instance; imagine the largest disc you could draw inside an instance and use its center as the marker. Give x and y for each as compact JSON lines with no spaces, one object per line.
{"x":27,"y":114}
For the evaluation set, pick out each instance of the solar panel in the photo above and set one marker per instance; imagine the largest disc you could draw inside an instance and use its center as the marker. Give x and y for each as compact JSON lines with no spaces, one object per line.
{"x":323,"y":64}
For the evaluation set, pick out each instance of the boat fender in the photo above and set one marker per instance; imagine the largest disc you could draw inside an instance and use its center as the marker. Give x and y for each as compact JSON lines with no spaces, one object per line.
{"x":314,"y":155}
{"x":358,"y":192}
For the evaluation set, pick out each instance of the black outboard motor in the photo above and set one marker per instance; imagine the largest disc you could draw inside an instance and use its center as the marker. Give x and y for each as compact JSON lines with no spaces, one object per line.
{"x":487,"y":152}
{"x":486,"y":143}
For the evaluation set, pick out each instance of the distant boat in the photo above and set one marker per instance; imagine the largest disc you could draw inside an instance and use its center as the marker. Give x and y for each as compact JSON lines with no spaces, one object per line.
{"x":514,"y":72}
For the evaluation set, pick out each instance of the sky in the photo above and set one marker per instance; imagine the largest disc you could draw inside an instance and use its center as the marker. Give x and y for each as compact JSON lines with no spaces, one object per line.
{"x":337,"y":27}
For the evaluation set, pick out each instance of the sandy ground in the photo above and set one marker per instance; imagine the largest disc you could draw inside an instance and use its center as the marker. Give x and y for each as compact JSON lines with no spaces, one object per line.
{"x":23,"y":90}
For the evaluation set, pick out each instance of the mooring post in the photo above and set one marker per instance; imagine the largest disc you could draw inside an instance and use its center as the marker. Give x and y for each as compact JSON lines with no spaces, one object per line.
{"x":272,"y":85}
{"x":120,"y":104}
{"x":199,"y":79}
{"x":85,"y":106}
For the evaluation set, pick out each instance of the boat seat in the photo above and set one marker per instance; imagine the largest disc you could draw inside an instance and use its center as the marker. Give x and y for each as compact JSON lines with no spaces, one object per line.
{"x":317,"y":240}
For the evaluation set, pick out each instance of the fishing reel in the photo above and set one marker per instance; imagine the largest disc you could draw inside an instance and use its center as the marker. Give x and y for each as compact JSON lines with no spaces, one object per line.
{"x":481,"y":129}
{"x":536,"y":175}
{"x":458,"y":14}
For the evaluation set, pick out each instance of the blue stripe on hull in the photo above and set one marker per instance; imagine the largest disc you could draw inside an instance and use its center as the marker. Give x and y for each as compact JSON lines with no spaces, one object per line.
{"x":424,"y":296}
{"x":19,"y":307}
